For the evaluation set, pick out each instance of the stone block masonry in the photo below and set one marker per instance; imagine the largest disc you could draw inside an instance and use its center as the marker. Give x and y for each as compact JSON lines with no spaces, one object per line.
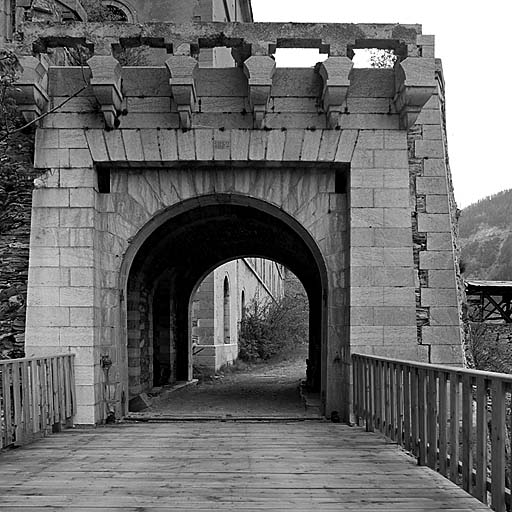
{"x":349,"y":164}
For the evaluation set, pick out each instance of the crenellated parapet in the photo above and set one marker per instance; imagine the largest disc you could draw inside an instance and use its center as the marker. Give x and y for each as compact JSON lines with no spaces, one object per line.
{"x":252,"y":46}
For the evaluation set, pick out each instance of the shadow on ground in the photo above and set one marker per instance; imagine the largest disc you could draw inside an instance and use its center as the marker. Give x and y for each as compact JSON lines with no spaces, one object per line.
{"x":264,"y":390}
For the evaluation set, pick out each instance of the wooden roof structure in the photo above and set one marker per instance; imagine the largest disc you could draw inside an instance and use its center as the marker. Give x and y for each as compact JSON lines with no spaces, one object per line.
{"x":490,"y":301}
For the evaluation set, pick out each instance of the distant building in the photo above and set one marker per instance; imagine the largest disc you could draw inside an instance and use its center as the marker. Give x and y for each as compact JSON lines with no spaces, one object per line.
{"x":219,"y":305}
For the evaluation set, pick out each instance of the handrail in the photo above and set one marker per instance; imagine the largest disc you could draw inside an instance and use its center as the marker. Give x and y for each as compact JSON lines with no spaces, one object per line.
{"x":37,"y":397}
{"x":456,"y":421}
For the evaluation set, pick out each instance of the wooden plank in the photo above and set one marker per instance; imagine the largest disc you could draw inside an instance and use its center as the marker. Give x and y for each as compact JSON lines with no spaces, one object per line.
{"x":387,"y":399}
{"x":480,"y":487}
{"x":454,"y":426}
{"x":467,"y":433}
{"x":222,"y":466}
{"x":443,"y":423}
{"x":498,"y":446}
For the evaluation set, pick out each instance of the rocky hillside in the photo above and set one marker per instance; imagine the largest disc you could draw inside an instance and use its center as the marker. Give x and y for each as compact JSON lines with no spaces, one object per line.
{"x":486,"y":238}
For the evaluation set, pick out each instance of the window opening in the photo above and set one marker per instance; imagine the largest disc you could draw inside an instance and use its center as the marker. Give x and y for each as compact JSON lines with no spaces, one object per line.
{"x":298,"y":57}
{"x":341,"y":179}
{"x":227,"y":316}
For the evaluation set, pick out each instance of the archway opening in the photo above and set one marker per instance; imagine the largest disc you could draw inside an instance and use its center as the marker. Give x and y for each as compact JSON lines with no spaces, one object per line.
{"x":179,"y":249}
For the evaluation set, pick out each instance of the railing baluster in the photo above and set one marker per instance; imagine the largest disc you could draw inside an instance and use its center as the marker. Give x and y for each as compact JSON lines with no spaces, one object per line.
{"x":378,"y":401}
{"x":407,"y":408}
{"x":414,"y":412}
{"x":371,"y":400}
{"x":443,"y":423}
{"x":392,"y":401}
{"x":454,"y":427}
{"x":432,"y":418}
{"x":399,"y":405}
{"x":43,"y":376}
{"x":387,"y":399}
{"x":422,"y":418}
{"x":467,"y":433}
{"x":498,"y":447}
{"x":480,"y":488}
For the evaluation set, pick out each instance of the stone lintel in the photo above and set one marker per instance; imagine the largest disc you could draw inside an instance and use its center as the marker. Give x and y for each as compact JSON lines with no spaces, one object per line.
{"x":106,"y":86}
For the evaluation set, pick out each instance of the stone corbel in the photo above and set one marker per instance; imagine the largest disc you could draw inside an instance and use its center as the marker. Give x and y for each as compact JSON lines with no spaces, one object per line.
{"x":415,"y":83}
{"x":335,"y":72}
{"x":183,"y":86}
{"x":106,"y":87}
{"x":259,"y":71}
{"x":30,"y":92}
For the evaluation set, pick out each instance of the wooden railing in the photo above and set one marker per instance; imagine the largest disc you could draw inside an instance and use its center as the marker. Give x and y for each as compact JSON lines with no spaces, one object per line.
{"x":454,"y":420}
{"x":37,"y":396}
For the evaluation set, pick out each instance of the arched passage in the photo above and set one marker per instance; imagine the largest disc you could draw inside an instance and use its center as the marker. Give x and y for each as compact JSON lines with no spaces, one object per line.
{"x":173,"y":253}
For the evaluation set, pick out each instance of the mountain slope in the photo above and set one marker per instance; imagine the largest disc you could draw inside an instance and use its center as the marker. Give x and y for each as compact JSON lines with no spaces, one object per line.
{"x":485,"y":230}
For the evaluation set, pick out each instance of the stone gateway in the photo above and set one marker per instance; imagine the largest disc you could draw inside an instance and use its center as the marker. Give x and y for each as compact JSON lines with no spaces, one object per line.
{"x":152,"y":176}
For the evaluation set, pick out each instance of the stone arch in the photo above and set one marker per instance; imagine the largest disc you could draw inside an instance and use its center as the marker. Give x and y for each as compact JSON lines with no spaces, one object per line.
{"x":122,"y":7}
{"x":250,"y":228}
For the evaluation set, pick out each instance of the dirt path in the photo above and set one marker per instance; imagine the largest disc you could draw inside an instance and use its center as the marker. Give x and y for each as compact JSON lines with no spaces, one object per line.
{"x":261,"y":390}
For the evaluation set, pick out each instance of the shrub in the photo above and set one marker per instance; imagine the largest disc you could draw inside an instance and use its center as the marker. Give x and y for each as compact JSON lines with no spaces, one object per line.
{"x":272,"y":328}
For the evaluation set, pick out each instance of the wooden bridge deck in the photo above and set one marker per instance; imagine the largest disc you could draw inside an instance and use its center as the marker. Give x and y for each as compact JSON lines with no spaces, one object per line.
{"x":242,"y":466}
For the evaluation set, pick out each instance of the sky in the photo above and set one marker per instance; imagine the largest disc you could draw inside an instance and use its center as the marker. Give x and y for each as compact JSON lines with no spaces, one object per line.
{"x":472,"y":39}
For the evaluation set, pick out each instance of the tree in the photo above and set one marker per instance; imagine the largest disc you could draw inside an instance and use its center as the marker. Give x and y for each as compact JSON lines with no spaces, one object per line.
{"x":382,"y":59}
{"x":10,"y":68}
